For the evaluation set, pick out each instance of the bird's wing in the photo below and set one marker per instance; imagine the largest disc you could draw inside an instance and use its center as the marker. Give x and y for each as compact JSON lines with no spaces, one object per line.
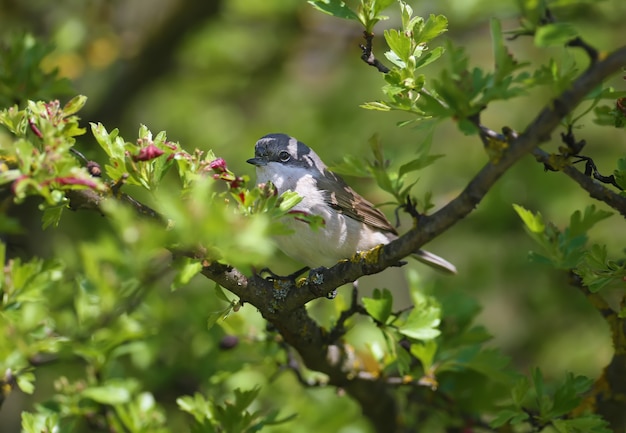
{"x":347,"y":201}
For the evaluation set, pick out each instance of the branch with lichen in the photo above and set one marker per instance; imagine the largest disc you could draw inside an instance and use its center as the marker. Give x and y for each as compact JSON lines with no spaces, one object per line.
{"x":282,"y":303}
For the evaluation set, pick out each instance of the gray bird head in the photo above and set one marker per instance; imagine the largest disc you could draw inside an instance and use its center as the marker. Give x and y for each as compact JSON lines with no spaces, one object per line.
{"x":285,"y":150}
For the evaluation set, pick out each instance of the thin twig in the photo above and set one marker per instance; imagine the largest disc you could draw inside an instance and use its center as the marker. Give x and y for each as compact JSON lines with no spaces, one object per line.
{"x":596,"y":190}
{"x":368,"y":55}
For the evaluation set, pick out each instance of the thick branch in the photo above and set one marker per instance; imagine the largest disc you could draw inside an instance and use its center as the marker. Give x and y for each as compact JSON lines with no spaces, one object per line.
{"x":282,"y":303}
{"x":322,"y":281}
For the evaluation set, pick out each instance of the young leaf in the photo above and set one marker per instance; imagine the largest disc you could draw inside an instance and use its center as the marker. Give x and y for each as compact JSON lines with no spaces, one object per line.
{"x":74,"y":105}
{"x":534,"y":222}
{"x":187,"y":269}
{"x":336,"y":8}
{"x":379,"y":306}
{"x":554,"y":34}
{"x":422,"y":323}
{"x":434,"y":26}
{"x":107,"y":394}
{"x":581,"y":223}
{"x":584,"y":424}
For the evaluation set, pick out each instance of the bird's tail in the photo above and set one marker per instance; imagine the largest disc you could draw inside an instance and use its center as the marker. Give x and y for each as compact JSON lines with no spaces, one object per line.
{"x":435,"y":261}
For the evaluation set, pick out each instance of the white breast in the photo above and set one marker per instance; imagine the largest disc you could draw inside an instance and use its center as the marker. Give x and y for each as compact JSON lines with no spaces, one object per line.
{"x":340,"y":236}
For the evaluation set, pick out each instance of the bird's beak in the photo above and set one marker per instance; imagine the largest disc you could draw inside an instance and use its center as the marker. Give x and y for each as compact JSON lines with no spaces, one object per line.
{"x":257,"y":161}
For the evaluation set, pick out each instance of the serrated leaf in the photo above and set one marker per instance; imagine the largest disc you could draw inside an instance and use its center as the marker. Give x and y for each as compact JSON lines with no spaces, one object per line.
{"x":336,"y":8}
{"x":583,"y":424}
{"x":534,"y":222}
{"x":422,"y":323}
{"x":554,"y":34}
{"x":418,"y":164}
{"x":51,"y":216}
{"x":520,"y":391}
{"x":434,"y":26}
{"x":187,"y":269}
{"x":352,"y":166}
{"x":568,"y":395}
{"x":379,"y":306}
{"x":399,"y":42}
{"x":429,"y":57}
{"x":243,"y":399}
{"x":508,"y":416}
{"x":581,"y":223}
{"x":425,"y":351}
{"x":505,"y":64}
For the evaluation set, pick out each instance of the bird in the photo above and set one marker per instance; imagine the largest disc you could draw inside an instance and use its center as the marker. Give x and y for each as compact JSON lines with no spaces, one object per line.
{"x":351,"y":224}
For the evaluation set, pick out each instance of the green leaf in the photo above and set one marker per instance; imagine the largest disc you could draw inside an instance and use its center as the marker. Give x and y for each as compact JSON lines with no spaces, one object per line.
{"x":422,"y":323}
{"x":74,"y":105}
{"x":399,"y":42}
{"x":52,"y":216}
{"x":568,"y":395}
{"x":429,"y":57}
{"x":187,"y":269}
{"x":505,"y":64}
{"x":219,"y":293}
{"x":108,"y":394}
{"x":215,"y":316}
{"x":581,"y":223}
{"x":425,"y":351}
{"x":509,"y":416}
{"x":520,"y":391}
{"x":379,"y":306}
{"x":534,"y":222}
{"x":336,"y":8}
{"x":352,"y":166}
{"x":418,"y":164}
{"x":376,"y":105}
{"x":40,"y":422}
{"x":583,"y":424}
{"x":434,"y":26}
{"x":243,"y":399}
{"x":288,"y":200}
{"x":554,"y":34}
{"x":26,"y":382}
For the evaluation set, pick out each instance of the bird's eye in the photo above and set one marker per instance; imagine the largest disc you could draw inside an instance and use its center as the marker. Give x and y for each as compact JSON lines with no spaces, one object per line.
{"x":284,"y":156}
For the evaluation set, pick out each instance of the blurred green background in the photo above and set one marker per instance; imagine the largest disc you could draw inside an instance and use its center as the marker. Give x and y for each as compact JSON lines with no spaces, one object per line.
{"x":220,"y":74}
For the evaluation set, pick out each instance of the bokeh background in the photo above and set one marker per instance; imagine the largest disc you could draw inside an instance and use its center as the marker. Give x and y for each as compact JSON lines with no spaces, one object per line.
{"x":220,"y":74}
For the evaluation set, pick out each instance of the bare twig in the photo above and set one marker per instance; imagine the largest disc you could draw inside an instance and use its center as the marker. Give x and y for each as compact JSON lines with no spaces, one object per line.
{"x":368,"y":55}
{"x":355,"y":308}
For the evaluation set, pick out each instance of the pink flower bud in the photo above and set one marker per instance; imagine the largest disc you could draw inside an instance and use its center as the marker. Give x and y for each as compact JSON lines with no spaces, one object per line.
{"x":218,"y":165}
{"x":147,"y":153}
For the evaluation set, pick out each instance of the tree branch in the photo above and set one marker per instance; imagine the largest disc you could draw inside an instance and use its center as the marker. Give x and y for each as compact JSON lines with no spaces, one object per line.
{"x":609,"y":391}
{"x":368,"y":55}
{"x":283,"y":304}
{"x":595,"y":189}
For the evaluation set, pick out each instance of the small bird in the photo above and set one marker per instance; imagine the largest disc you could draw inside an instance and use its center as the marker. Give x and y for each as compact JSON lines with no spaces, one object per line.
{"x":350,"y":222}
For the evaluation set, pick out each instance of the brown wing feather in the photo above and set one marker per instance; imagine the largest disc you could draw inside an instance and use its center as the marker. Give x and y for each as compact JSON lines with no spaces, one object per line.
{"x":349,"y":202}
